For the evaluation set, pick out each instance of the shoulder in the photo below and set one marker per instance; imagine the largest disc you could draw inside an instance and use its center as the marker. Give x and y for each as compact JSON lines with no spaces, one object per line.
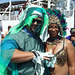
{"x":19,"y":34}
{"x":68,"y":43}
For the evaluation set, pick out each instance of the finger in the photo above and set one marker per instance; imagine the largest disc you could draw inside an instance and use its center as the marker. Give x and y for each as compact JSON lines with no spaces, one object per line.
{"x":50,"y":56}
{"x":46,"y":58}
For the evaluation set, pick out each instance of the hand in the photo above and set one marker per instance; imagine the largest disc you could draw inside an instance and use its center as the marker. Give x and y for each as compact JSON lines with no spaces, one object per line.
{"x":47,"y":54}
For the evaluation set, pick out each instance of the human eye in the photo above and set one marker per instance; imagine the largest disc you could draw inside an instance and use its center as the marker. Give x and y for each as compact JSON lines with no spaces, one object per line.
{"x":56,"y":26}
{"x":39,"y":21}
{"x":50,"y":26}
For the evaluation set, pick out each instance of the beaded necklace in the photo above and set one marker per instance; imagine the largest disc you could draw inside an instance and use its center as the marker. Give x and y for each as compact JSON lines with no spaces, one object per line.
{"x":53,"y":42}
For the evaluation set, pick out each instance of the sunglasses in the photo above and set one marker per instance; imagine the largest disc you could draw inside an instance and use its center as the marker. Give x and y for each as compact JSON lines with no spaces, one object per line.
{"x":37,"y":21}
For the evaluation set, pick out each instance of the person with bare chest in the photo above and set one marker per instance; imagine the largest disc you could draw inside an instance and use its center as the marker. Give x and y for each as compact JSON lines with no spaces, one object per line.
{"x":63,"y":61}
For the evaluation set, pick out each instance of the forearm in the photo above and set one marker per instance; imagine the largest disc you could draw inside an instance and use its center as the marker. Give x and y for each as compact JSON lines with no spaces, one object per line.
{"x":71,"y":70}
{"x":20,"y":56}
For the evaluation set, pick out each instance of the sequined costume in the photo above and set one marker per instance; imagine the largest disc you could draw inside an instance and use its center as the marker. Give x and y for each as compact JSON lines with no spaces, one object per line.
{"x":60,"y":58}
{"x":56,"y":18}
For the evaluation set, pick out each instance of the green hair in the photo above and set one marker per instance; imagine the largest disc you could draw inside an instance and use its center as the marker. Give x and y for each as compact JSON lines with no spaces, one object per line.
{"x":27,"y":17}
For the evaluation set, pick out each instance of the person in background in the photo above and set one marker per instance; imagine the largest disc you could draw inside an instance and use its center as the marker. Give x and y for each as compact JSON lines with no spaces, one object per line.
{"x":7,"y":31}
{"x":23,"y":46}
{"x":72,"y":37}
{"x":63,"y":61}
{"x":2,"y":35}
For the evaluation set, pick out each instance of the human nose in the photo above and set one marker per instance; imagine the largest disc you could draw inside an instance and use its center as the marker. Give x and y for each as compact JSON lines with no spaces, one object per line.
{"x":53,"y":29}
{"x":35,"y":22}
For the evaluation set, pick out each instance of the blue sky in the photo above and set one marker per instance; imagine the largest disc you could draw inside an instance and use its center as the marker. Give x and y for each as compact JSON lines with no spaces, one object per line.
{"x":5,"y":1}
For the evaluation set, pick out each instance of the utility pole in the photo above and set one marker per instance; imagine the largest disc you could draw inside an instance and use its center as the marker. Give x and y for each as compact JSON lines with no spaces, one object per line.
{"x":10,"y":10}
{"x":68,"y":5}
{"x":49,"y":1}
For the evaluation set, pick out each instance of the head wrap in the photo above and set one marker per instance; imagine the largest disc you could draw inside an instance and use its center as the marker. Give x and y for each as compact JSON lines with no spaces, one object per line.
{"x":55,"y":16}
{"x":55,"y":20}
{"x":27,"y":17}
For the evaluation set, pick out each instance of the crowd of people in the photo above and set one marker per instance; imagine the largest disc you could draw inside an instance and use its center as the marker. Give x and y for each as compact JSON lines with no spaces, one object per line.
{"x":24,"y":52}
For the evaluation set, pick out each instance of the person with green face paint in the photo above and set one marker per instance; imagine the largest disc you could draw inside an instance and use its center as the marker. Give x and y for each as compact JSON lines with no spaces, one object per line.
{"x":23,"y":46}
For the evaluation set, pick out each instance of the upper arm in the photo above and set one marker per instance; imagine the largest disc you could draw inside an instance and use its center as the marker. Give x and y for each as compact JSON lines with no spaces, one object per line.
{"x":8,"y":44}
{"x":70,"y":51}
{"x":7,"y":48}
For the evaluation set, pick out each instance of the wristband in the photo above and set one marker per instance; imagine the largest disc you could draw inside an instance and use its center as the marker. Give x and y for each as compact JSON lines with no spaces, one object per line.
{"x":35,"y":53}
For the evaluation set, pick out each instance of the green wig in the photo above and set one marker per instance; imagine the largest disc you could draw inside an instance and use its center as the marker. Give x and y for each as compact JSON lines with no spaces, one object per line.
{"x":27,"y":17}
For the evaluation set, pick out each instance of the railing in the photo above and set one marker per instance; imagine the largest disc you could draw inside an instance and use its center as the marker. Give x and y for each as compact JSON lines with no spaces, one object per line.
{"x":68,"y":13}
{"x":15,"y":17}
{"x":5,"y":15}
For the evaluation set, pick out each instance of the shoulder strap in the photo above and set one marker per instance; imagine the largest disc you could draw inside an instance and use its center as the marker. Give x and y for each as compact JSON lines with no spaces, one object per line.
{"x":63,"y":43}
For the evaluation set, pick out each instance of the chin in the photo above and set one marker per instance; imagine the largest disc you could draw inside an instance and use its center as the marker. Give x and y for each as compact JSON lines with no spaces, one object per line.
{"x":54,"y":36}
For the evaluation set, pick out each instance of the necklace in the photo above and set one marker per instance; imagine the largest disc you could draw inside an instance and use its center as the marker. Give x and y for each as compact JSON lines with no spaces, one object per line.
{"x":52,"y":44}
{"x":55,"y":46}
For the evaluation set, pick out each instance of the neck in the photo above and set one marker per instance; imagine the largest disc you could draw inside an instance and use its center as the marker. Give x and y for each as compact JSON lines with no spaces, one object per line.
{"x":28,"y":28}
{"x":52,"y":39}
{"x":56,"y":37}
